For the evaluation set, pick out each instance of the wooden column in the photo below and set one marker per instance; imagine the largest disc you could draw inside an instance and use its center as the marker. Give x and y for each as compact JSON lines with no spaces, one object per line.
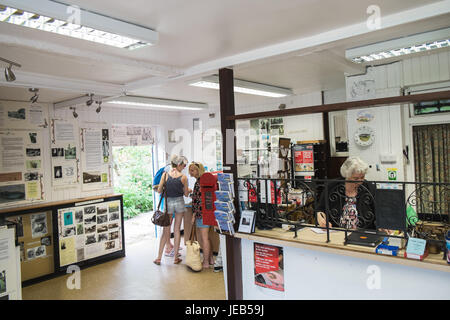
{"x":234,"y":260}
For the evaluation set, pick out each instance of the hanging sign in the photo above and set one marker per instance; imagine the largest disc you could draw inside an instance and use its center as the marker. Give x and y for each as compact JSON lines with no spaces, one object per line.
{"x":304,"y":159}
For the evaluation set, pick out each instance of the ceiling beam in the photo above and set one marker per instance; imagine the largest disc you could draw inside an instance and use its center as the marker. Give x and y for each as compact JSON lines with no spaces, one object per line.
{"x":397,"y":100}
{"x":38,"y":80}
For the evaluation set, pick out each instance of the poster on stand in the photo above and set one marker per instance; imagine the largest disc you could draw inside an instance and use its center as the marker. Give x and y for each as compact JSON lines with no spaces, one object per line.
{"x":96,"y":157}
{"x":304,"y":159}
{"x":89,"y":231}
{"x":64,"y":153}
{"x":269,"y":268}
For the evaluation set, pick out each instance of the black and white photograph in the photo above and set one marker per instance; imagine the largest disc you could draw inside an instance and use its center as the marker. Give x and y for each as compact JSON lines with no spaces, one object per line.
{"x":79,"y":216}
{"x":69,"y":232}
{"x":102,"y":237}
{"x":113,"y":225}
{"x":90,"y":239}
{"x":102,"y":210}
{"x":91,"y":178}
{"x":103,"y":228}
{"x":90,"y":229}
{"x":90,"y":220}
{"x":113,"y":235}
{"x":113,"y":216}
{"x":33,"y":137}
{"x":31,"y":176}
{"x":105,"y":134}
{"x":46,"y":241}
{"x":40,"y":252}
{"x":134,"y":131}
{"x":12,"y":193}
{"x":105,"y":146}
{"x":2,"y":281}
{"x":89,"y":210}
{"x":33,"y":152}
{"x":19,"y":114}
{"x":30,"y":254}
{"x":102,"y":219}
{"x":110,"y":245}
{"x":57,"y":172}
{"x":38,"y":225}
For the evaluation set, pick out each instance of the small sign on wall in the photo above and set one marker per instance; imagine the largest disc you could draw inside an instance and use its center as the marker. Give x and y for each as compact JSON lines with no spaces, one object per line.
{"x":392,"y":174}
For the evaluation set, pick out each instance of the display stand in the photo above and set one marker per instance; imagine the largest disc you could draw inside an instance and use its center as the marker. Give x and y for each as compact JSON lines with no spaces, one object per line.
{"x":54,"y":236}
{"x":10,"y":276}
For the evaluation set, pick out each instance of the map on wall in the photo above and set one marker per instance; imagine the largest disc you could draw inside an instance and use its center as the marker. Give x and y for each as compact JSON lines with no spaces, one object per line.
{"x":361,"y":87}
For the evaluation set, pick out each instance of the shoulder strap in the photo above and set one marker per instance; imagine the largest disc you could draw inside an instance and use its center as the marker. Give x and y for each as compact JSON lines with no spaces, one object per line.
{"x":193,"y":236}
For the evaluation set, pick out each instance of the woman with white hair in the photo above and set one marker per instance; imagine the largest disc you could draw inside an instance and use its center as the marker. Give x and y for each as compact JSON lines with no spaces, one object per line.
{"x":351,"y":203}
{"x":176,"y":186}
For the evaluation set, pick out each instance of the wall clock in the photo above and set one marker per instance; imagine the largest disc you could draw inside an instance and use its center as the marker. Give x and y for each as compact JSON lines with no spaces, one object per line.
{"x":364,"y":136}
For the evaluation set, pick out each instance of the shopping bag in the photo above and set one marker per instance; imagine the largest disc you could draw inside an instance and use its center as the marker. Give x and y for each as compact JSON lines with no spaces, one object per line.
{"x":193,"y":258}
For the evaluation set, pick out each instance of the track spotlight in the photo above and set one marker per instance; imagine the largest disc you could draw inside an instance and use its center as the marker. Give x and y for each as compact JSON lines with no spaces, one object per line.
{"x":99,"y":108}
{"x":9,"y":74}
{"x":90,"y":101}
{"x":34,"y":98}
{"x":75,"y":114}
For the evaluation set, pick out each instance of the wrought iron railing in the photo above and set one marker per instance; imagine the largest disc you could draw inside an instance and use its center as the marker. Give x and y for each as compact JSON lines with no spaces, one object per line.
{"x":295,"y":202}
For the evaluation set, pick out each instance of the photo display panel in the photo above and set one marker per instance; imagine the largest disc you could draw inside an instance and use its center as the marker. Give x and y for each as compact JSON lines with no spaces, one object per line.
{"x":89,"y":231}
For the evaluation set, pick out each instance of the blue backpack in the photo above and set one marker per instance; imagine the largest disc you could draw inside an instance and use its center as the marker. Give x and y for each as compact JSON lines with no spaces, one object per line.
{"x":157,"y":180}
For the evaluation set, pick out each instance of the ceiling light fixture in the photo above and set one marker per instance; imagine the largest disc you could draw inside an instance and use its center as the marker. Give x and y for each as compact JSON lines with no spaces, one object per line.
{"x":90,"y":101}
{"x":74,"y":113}
{"x":9,"y":74}
{"x":99,"y":108}
{"x":401,"y":46}
{"x":56,"y":17}
{"x":243,"y":86}
{"x":138,"y":101}
{"x":34,"y":98}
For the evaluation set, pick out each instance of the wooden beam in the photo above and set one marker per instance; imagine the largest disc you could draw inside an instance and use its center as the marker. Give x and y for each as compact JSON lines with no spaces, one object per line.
{"x":233,"y":245}
{"x":441,"y":95}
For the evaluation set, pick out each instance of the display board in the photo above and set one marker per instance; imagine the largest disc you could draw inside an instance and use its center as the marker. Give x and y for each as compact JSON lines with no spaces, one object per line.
{"x":21,"y":166}
{"x":95,"y":156}
{"x":88,"y":231}
{"x":64,"y":153}
{"x":35,"y":237}
{"x":132,"y":135}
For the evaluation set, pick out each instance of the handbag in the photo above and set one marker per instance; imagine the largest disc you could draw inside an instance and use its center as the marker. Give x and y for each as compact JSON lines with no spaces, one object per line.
{"x":162,"y":218}
{"x":193,"y":259}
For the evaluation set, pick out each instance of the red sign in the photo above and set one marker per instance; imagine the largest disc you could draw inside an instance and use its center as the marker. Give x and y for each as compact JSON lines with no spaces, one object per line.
{"x":269,"y":266}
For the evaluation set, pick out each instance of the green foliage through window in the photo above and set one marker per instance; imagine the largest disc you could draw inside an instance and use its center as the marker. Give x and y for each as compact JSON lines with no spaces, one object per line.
{"x":133,"y":177}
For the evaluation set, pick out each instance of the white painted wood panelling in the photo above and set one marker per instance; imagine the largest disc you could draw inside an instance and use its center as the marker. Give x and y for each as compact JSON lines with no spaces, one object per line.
{"x":426,"y":69}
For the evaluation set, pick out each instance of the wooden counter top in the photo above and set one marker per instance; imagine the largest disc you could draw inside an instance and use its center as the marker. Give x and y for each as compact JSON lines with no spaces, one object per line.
{"x":43,"y":205}
{"x":307,"y":239}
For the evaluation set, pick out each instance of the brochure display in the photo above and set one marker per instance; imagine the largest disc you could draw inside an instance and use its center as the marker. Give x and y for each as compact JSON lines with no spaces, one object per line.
{"x":224,"y":206}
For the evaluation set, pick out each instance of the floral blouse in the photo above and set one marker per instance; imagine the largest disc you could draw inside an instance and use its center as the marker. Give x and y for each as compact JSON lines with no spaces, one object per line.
{"x":197,"y":201}
{"x":349,"y":218}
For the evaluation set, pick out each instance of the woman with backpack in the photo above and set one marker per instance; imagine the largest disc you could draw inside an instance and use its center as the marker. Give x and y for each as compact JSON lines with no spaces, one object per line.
{"x":175,"y":186}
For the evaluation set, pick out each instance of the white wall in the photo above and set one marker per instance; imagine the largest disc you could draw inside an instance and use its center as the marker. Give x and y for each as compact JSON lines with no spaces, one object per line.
{"x":163,"y":121}
{"x":389,"y":121}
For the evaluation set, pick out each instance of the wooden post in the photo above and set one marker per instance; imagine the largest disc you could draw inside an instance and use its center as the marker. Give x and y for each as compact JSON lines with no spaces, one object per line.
{"x":233,"y":252}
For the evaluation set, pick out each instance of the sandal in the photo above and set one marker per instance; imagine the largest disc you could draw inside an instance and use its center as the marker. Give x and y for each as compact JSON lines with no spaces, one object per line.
{"x":157,"y":262}
{"x":177,"y":261}
{"x":171,"y":253}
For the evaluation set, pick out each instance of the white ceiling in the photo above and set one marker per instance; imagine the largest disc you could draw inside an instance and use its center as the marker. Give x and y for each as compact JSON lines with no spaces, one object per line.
{"x":261,"y":40}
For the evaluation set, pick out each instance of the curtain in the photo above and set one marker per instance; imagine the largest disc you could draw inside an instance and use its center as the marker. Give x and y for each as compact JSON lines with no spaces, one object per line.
{"x":432,"y":163}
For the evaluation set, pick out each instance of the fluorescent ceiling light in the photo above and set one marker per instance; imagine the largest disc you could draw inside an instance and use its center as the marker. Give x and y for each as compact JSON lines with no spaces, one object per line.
{"x":399,"y":47}
{"x":55,"y":17}
{"x":156,"y":103}
{"x":242,"y":86}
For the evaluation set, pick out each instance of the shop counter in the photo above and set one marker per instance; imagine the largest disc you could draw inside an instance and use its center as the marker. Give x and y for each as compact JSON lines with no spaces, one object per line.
{"x":316,"y":269}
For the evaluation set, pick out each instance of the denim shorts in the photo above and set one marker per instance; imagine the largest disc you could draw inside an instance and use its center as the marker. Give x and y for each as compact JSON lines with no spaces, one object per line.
{"x":175,"y":205}
{"x":199,"y":223}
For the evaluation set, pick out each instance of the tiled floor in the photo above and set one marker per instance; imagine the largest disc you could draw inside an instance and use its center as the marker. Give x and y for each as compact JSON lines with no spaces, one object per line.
{"x":135,"y":276}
